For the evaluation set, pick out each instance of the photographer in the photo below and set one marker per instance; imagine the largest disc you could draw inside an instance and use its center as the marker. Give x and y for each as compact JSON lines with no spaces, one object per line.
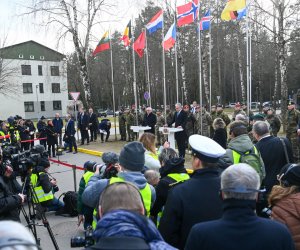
{"x":44,"y":188}
{"x":10,"y":194}
{"x":4,"y":132}
{"x":24,"y":135}
{"x":32,"y":129}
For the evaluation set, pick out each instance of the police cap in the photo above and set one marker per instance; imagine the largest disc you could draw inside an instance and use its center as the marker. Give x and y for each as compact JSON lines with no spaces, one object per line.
{"x":205,"y":148}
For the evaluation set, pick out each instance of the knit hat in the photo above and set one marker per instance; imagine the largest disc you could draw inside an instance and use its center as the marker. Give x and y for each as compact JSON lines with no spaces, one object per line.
{"x":110,"y":158}
{"x":132,"y":156}
{"x":290,"y":175}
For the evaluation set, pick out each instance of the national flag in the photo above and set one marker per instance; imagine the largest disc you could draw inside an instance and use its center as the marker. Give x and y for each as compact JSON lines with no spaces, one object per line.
{"x":139,"y":44}
{"x":241,"y":13}
{"x":232,"y":9}
{"x":156,"y":22}
{"x":205,"y":21}
{"x":170,"y":38}
{"x":187,"y":13}
{"x":103,"y":44}
{"x":127,"y":35}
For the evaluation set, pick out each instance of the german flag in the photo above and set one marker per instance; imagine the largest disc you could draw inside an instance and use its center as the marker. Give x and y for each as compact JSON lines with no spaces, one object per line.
{"x":103,"y":44}
{"x":127,"y":35}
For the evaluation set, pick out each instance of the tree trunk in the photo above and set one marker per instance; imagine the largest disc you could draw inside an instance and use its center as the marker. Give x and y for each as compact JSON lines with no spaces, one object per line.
{"x":240,"y":68}
{"x":182,"y":66}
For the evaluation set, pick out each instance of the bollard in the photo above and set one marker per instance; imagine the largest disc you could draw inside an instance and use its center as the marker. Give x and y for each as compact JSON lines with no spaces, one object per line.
{"x":74,"y":177}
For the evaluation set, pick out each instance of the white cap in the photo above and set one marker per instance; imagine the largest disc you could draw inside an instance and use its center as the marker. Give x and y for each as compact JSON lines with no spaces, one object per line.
{"x":205,"y":148}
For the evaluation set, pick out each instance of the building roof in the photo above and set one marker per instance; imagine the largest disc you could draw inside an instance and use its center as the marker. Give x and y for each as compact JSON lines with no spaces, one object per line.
{"x":30,"y":50}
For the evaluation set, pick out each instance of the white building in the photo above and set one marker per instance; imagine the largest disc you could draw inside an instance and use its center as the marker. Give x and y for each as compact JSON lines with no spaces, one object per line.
{"x":34,"y":81}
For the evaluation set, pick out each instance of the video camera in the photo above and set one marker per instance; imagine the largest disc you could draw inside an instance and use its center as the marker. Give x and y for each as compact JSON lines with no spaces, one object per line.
{"x":23,"y":162}
{"x":85,"y":241}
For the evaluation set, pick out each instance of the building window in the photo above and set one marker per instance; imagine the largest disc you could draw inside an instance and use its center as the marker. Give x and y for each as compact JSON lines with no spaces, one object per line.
{"x":21,"y":56}
{"x":55,"y":87}
{"x":42,"y":57}
{"x":29,"y":106}
{"x":27,"y":88}
{"x":56,"y":105}
{"x":43,"y":106}
{"x":40,"y":69}
{"x":54,"y":70}
{"x":31,"y":57}
{"x":41,"y":87}
{"x":26,"y":70}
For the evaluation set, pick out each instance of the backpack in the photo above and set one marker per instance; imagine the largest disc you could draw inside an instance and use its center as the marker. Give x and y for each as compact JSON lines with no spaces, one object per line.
{"x":70,"y":199}
{"x":252,"y":158}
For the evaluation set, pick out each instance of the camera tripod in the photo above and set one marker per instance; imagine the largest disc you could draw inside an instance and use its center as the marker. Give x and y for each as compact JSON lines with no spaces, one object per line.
{"x":31,"y":217}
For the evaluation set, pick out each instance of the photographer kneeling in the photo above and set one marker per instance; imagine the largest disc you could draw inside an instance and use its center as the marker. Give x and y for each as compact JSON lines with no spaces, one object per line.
{"x":44,"y":187}
{"x":10,"y":194}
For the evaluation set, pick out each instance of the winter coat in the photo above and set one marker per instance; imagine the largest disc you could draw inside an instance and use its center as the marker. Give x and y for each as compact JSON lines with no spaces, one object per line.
{"x":150,"y":120}
{"x":123,"y":223}
{"x":41,"y":126}
{"x":10,"y":201}
{"x":287,"y":211}
{"x":51,"y":135}
{"x":93,"y":121}
{"x":239,"y":229}
{"x":195,"y":200}
{"x":96,"y":185}
{"x":151,"y":160}
{"x":105,"y":125}
{"x":24,"y":132}
{"x":220,"y":136}
{"x":173,"y":166}
{"x":58,"y":125}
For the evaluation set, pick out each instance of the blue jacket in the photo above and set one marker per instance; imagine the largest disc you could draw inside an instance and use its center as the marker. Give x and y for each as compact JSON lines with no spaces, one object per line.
{"x":239,"y":228}
{"x":58,"y":125}
{"x":70,"y":128}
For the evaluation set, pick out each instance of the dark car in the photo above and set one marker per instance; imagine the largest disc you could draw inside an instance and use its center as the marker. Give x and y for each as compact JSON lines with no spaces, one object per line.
{"x":101,"y":113}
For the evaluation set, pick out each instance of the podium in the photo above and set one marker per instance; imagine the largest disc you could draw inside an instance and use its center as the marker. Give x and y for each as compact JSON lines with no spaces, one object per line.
{"x":139,"y":129}
{"x":171,"y":134}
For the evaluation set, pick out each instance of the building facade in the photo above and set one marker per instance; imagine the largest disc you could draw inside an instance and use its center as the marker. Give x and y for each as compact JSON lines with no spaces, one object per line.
{"x":36,"y":81}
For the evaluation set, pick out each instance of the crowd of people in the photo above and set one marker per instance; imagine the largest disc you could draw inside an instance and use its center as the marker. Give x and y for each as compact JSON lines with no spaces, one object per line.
{"x":148,"y":198}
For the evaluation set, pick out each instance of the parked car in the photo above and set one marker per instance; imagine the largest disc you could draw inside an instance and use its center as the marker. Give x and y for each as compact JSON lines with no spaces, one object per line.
{"x":231,"y":105}
{"x":109,"y":112}
{"x":267,"y":104}
{"x":101,"y":113}
{"x":255,"y":105}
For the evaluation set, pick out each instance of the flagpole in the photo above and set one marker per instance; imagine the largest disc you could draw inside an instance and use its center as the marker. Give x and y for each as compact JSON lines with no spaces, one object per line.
{"x":200,"y":71}
{"x":113,"y":84}
{"x":134,"y":79}
{"x":209,"y":57}
{"x":176,"y":66}
{"x":247,"y":48}
{"x":250,"y":64}
{"x":164,"y":70}
{"x":148,"y":73}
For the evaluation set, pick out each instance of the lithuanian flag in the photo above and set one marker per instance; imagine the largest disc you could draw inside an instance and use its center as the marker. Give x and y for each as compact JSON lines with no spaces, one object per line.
{"x":232,"y":9}
{"x":127,"y":35}
{"x":103,"y":44}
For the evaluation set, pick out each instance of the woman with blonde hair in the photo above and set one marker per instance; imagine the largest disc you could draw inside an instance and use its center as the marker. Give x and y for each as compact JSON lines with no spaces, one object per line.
{"x":151,"y":156}
{"x":285,"y":200}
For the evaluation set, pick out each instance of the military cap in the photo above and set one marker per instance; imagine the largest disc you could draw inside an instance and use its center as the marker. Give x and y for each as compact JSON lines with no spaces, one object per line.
{"x":219,"y":106}
{"x":258,"y":117}
{"x":205,"y":148}
{"x":291,"y":102}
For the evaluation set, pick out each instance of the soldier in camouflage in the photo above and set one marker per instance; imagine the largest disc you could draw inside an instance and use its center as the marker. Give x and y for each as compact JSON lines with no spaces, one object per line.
{"x":130,"y":121}
{"x":160,"y":122}
{"x":238,"y":110}
{"x":274,"y":122}
{"x":292,"y":132}
{"x":122,"y":125}
{"x":206,"y":122}
{"x":169,"y":116}
{"x":221,"y":114}
{"x":190,"y":122}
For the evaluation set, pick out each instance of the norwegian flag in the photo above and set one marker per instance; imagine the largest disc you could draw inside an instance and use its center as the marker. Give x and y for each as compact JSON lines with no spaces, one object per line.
{"x":205,"y":21}
{"x":187,"y":13}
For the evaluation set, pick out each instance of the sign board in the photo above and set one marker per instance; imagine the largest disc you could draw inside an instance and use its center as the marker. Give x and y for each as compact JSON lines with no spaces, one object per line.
{"x":75,"y":95}
{"x":147,"y":95}
{"x":218,"y":98}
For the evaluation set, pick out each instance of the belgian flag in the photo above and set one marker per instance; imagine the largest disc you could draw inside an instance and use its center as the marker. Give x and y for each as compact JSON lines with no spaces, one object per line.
{"x":103,"y":44}
{"x":127,"y":35}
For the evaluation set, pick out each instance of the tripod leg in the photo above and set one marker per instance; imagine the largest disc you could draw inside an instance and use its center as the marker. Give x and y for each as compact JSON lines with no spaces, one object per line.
{"x":31,"y":225}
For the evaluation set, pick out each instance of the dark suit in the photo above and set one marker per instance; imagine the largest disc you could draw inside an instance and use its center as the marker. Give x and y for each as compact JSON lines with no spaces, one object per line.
{"x":93,"y":123}
{"x":150,"y":120}
{"x":240,"y":228}
{"x":70,"y":135}
{"x":83,"y":125}
{"x":180,"y":119}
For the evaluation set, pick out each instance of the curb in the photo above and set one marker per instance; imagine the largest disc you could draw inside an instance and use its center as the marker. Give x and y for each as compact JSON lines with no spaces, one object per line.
{"x":90,"y":152}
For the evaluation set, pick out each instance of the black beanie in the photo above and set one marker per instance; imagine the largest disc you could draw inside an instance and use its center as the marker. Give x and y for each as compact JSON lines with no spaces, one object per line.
{"x":132,"y":156}
{"x":291,"y":175}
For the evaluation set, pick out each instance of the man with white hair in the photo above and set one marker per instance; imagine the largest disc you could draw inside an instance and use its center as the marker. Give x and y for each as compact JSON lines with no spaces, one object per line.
{"x":149,"y":120}
{"x":239,"y":227}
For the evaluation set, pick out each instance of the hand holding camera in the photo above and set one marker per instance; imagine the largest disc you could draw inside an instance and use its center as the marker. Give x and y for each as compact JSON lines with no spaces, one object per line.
{"x":23,"y":197}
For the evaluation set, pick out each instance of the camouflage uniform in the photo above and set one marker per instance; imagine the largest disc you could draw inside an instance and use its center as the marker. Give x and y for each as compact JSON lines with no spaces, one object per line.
{"x":275,"y":124}
{"x":130,"y":121}
{"x":206,"y":123}
{"x":122,"y":126}
{"x":237,"y":112}
{"x":160,"y":122}
{"x":190,"y":123}
{"x":224,"y":116}
{"x":169,"y":117}
{"x":213,"y":115}
{"x":292,"y":120}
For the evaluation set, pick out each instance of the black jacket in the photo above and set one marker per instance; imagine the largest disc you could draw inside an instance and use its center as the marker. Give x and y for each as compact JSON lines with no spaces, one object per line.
{"x":220,"y":136}
{"x":51,"y":135}
{"x":93,"y":121}
{"x":272,"y":153}
{"x":150,"y":120}
{"x":10,"y":201}
{"x":191,"y":202}
{"x":240,"y":228}
{"x":180,"y":120}
{"x":83,"y":120}
{"x":175,"y":165}
{"x":120,"y":243}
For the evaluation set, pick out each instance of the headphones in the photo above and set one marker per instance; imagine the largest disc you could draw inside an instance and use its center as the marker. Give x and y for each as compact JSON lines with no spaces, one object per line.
{"x":8,"y":241}
{"x":282,"y":178}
